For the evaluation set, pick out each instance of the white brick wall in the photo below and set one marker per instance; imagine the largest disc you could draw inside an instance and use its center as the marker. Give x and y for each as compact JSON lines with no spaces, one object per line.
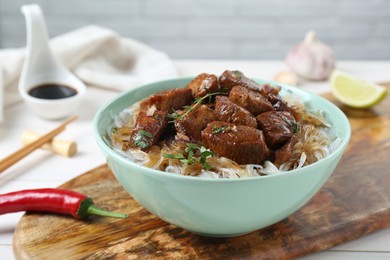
{"x":250,"y":29}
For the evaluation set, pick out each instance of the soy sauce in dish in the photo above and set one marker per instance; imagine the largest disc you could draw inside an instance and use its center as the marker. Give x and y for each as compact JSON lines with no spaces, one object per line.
{"x":52,"y":91}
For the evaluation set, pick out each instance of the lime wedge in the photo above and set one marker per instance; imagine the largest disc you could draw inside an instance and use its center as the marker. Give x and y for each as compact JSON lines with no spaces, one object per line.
{"x":356,"y":92}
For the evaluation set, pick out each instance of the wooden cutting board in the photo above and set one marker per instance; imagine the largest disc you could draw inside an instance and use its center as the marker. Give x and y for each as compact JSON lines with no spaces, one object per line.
{"x":355,"y":201}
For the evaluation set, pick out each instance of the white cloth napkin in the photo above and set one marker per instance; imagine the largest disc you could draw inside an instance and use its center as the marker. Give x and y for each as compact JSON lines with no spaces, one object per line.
{"x":98,"y":56}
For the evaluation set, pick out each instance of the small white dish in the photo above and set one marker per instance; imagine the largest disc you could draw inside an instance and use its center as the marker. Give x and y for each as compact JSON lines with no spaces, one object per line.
{"x":42,"y":68}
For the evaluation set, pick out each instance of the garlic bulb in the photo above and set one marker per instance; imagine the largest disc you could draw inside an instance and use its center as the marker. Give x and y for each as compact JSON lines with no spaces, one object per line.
{"x":311,"y":59}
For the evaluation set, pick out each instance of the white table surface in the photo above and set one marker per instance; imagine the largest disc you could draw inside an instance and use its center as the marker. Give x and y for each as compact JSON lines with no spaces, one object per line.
{"x":44,"y":169}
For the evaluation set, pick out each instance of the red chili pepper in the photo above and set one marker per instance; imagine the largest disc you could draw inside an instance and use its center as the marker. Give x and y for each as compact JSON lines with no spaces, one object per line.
{"x":53,"y":200}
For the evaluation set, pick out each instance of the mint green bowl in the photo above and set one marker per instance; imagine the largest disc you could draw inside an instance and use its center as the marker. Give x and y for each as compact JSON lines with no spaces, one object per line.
{"x":220,"y":207}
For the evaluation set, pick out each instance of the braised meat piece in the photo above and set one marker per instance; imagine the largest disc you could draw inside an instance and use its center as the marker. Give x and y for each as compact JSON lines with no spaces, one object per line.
{"x":249,"y":99}
{"x":148,"y":129}
{"x":268,"y":89}
{"x":232,"y":78}
{"x":272,"y":95}
{"x":226,"y":110}
{"x":169,"y":100}
{"x":239,"y":143}
{"x":278,"y":126}
{"x":194,"y":122}
{"x":284,"y":153}
{"x":204,"y":83}
{"x":277,"y":102}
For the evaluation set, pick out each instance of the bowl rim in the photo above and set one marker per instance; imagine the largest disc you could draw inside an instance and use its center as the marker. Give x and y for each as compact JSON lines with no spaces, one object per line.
{"x":149,"y":171}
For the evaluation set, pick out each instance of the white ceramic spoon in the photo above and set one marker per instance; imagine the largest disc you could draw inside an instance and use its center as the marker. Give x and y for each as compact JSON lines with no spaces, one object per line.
{"x":41,"y":67}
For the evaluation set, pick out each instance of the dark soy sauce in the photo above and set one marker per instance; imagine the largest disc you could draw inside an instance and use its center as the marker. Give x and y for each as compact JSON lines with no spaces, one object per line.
{"x":52,"y":91}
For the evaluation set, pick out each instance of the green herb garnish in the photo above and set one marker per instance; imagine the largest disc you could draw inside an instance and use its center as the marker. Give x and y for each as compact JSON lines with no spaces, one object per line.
{"x":175,"y":115}
{"x":191,"y":159}
{"x":297,"y":127}
{"x":217,"y":130}
{"x":114,"y":129}
{"x":174,"y":156}
{"x":204,"y":153}
{"x":145,"y":133}
{"x":140,"y":139}
{"x":191,"y":146}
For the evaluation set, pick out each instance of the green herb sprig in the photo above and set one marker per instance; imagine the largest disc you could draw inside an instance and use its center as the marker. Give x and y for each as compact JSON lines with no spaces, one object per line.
{"x":190,"y":149}
{"x":204,"y":153}
{"x":216,"y":130}
{"x":114,"y":129}
{"x":175,"y":115}
{"x":140,"y":139}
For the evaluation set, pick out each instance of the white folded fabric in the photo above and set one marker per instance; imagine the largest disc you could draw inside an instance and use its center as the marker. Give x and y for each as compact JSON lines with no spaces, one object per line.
{"x":98,"y":56}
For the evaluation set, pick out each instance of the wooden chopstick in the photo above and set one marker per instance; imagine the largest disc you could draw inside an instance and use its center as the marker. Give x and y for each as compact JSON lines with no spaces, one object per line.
{"x":16,"y":156}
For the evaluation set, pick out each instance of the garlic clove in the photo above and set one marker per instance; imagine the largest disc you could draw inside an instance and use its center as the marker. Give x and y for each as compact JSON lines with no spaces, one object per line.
{"x":286,"y":77}
{"x":311,"y":59}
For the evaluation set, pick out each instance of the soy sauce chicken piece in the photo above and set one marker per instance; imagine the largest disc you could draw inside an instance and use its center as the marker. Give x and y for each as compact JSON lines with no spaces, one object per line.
{"x":169,"y":100}
{"x":239,"y":143}
{"x":226,"y":110}
{"x":203,"y":84}
{"x":232,"y":78}
{"x":194,"y":122}
{"x":249,"y":99}
{"x":148,"y":129}
{"x":278,"y":127}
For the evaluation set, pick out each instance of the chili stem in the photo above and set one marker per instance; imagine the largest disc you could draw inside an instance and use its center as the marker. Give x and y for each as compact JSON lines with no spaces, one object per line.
{"x":92,"y":210}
